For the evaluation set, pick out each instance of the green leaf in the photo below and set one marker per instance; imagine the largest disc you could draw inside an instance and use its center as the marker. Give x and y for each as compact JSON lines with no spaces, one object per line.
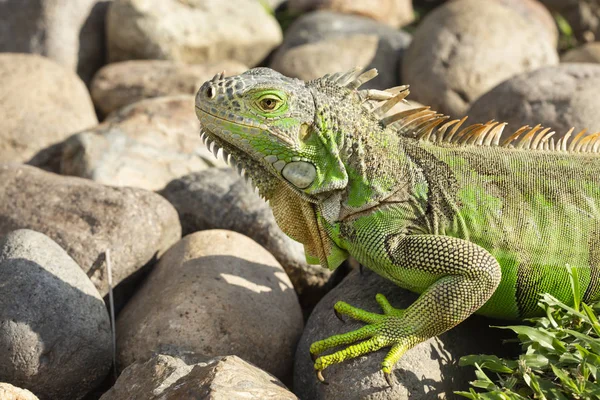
{"x":533,"y":382}
{"x":593,"y":318}
{"x":553,"y":301}
{"x":563,"y":26}
{"x":490,"y":362}
{"x":482,"y":384}
{"x":551,"y":320}
{"x":592,"y":390}
{"x":575,"y":289}
{"x":592,"y":342}
{"x":568,"y":358}
{"x":552,"y":391}
{"x":535,"y":360}
{"x":537,"y":335}
{"x":566,"y":379}
{"x":483,"y":380}
{"x":469,"y":395}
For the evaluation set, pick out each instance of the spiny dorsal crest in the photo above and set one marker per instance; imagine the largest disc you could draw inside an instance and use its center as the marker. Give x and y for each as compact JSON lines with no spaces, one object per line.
{"x":424,"y":124}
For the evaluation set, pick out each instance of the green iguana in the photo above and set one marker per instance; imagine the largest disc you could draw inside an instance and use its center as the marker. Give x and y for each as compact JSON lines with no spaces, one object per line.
{"x":472,"y":224}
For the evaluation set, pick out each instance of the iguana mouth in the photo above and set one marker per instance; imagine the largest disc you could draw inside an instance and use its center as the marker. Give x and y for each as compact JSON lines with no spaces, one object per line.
{"x":298,"y":172}
{"x":227,"y":151}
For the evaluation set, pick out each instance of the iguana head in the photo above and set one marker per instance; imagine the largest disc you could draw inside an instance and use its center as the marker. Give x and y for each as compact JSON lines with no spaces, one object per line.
{"x":303,"y":144}
{"x":271,"y":126}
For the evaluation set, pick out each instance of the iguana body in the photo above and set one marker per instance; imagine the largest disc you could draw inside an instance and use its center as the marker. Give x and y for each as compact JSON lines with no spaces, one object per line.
{"x":472,"y":225}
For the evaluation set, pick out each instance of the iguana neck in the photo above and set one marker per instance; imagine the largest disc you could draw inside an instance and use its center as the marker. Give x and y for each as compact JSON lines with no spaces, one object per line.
{"x":379,"y":172}
{"x":373,"y":158}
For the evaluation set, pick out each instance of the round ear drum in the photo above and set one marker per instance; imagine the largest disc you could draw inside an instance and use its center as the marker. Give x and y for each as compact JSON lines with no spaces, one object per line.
{"x":300,"y":173}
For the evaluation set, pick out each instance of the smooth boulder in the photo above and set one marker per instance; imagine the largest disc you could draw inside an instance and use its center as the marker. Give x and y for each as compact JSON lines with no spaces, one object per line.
{"x":191,"y":31}
{"x":395,"y":13}
{"x":558,"y":97}
{"x":323,"y":42}
{"x":535,"y":12}
{"x":199,"y":199}
{"x":214,"y":293}
{"x":55,"y":336}
{"x":464,"y":48}
{"x":123,"y":83}
{"x":586,"y":53}
{"x":169,"y":378}
{"x":86,"y":219}
{"x":144,"y":145}
{"x":41,"y":103}
{"x":70,"y":33}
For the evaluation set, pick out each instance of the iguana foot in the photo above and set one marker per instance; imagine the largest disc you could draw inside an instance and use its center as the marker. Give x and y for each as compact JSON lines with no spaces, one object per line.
{"x":382,"y":330}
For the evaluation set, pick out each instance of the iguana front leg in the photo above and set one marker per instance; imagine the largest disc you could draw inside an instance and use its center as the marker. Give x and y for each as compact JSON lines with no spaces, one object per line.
{"x":457,"y":276}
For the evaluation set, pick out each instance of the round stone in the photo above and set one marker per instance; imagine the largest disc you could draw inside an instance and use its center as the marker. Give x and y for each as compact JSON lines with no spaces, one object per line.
{"x":464,"y":48}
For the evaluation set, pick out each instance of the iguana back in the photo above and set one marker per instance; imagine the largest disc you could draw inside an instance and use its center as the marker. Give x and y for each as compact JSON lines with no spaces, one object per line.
{"x":535,"y":211}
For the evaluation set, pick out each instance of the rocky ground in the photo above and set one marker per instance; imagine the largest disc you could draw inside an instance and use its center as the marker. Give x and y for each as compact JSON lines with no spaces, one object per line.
{"x":101,"y":165}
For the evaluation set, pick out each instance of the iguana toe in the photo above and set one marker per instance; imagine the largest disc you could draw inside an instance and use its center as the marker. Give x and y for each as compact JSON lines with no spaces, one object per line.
{"x":381,"y":331}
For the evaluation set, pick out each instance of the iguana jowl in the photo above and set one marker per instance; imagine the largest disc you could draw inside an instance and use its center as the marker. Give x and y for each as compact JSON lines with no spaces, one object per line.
{"x":472,"y":224}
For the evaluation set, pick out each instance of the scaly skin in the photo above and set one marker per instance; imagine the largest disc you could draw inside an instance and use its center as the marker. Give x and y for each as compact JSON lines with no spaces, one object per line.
{"x":471,"y":225}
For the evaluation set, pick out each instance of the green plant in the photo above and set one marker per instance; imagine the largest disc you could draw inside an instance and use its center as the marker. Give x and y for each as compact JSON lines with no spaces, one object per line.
{"x":560,"y":360}
{"x":566,"y":37}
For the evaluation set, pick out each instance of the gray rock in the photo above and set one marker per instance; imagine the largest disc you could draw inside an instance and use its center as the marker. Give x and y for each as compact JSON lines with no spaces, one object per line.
{"x":395,"y":13}
{"x":112,"y":158}
{"x":144,"y":145}
{"x":558,"y":97}
{"x":169,"y":378}
{"x":55,"y":337}
{"x":70,"y":33}
{"x":41,"y":103}
{"x":191,"y":31}
{"x":49,"y":158}
{"x":587,"y":53}
{"x":535,"y":12}
{"x":215,"y":292}
{"x":465,"y":47}
{"x":220,"y":199}
{"x":86,"y":219}
{"x":123,"y":83}
{"x":10,"y":392}
{"x":324,"y":42}
{"x":427,"y":371}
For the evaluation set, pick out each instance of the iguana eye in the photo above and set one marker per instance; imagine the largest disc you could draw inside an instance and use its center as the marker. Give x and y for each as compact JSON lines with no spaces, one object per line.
{"x":269,"y":103}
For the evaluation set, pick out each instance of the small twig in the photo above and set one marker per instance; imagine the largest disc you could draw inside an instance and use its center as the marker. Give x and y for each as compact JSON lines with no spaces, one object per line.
{"x":111,"y":303}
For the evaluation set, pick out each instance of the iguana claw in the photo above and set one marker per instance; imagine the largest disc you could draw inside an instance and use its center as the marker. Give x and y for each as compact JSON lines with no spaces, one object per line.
{"x":388,"y":378}
{"x":320,"y":377}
